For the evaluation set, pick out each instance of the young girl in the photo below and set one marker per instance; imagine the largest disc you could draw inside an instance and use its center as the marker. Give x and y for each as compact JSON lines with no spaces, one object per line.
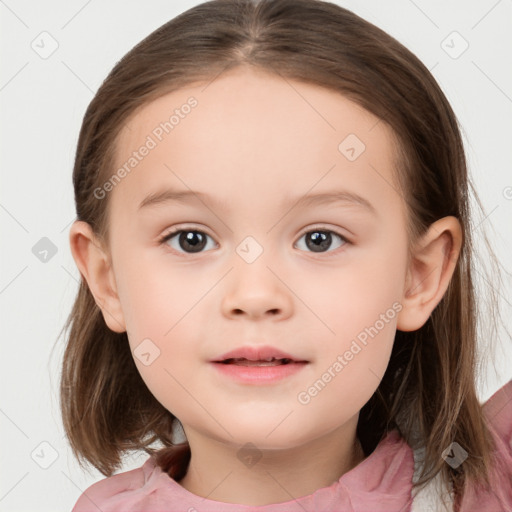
{"x":274,"y":240}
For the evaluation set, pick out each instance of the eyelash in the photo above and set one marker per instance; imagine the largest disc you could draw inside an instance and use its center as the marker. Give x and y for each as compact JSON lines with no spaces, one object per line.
{"x":165,"y":238}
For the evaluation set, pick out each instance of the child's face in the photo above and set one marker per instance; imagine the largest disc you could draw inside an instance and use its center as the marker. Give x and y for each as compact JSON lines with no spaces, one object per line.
{"x":254,"y":145}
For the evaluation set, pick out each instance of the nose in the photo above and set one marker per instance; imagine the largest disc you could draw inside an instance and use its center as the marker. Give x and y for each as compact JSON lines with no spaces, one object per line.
{"x":256,"y":291}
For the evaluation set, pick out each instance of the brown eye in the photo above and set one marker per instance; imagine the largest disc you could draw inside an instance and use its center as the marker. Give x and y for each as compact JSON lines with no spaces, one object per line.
{"x":187,"y":240}
{"x":318,"y":240}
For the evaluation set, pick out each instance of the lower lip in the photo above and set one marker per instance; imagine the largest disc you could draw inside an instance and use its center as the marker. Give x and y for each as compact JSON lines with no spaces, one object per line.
{"x":259,"y":374}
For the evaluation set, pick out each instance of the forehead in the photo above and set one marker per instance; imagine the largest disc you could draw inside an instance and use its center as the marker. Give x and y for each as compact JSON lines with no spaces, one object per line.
{"x":248,"y":131}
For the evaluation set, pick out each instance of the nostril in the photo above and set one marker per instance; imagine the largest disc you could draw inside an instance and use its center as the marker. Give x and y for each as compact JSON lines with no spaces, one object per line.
{"x":238,"y":311}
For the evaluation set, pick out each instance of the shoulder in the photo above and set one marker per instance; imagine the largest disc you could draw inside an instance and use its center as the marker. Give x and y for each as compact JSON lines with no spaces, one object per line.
{"x":434,"y":496}
{"x":498,"y":412}
{"x":111,"y":492}
{"x":498,"y":409}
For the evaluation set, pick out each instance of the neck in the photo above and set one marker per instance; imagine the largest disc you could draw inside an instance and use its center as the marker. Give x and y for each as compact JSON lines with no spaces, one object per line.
{"x":234,"y":474}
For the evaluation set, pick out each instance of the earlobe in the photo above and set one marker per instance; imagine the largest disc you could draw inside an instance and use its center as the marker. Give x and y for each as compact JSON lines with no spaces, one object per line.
{"x":430,"y":270}
{"x":96,"y":269}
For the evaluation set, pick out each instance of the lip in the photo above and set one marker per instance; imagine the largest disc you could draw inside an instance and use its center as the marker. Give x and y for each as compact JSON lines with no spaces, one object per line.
{"x":258,"y":374}
{"x":259,"y":353}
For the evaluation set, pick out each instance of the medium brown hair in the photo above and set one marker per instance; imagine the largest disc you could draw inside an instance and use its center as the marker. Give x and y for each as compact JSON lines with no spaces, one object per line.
{"x":428,"y":390}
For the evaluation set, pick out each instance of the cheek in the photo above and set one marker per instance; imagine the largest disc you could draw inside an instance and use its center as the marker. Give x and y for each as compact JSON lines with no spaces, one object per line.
{"x":155,"y":294}
{"x":353,"y":295}
{"x":361,"y":311}
{"x":161,"y":307}
{"x":348,"y":373}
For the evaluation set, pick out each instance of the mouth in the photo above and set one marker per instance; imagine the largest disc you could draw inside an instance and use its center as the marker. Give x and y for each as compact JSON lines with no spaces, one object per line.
{"x":263,"y":355}
{"x":258,"y":369}
{"x":257,"y":372}
{"x":271,"y":361}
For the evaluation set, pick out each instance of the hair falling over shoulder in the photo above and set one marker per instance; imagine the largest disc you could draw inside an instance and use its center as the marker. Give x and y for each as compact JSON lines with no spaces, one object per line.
{"x":428,"y":392}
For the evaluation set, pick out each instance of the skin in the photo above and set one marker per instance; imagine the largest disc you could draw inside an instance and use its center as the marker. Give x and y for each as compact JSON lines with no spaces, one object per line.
{"x":253,"y":141}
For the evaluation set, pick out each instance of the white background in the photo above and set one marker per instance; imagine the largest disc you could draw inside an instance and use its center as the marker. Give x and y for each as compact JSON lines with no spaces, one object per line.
{"x":42,"y":104}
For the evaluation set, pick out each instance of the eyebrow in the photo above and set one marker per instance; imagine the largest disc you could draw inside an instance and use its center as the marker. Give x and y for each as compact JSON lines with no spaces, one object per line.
{"x":324,"y":198}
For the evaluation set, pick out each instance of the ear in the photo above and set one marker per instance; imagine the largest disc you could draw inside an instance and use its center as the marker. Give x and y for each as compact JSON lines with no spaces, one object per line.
{"x":95,"y":267}
{"x":429,"y":272}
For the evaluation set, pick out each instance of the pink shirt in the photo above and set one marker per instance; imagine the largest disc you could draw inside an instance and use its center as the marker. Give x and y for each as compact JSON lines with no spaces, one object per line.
{"x":380,"y":483}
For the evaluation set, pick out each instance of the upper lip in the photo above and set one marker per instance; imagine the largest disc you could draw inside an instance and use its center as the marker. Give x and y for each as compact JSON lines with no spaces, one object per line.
{"x":260,"y":353}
